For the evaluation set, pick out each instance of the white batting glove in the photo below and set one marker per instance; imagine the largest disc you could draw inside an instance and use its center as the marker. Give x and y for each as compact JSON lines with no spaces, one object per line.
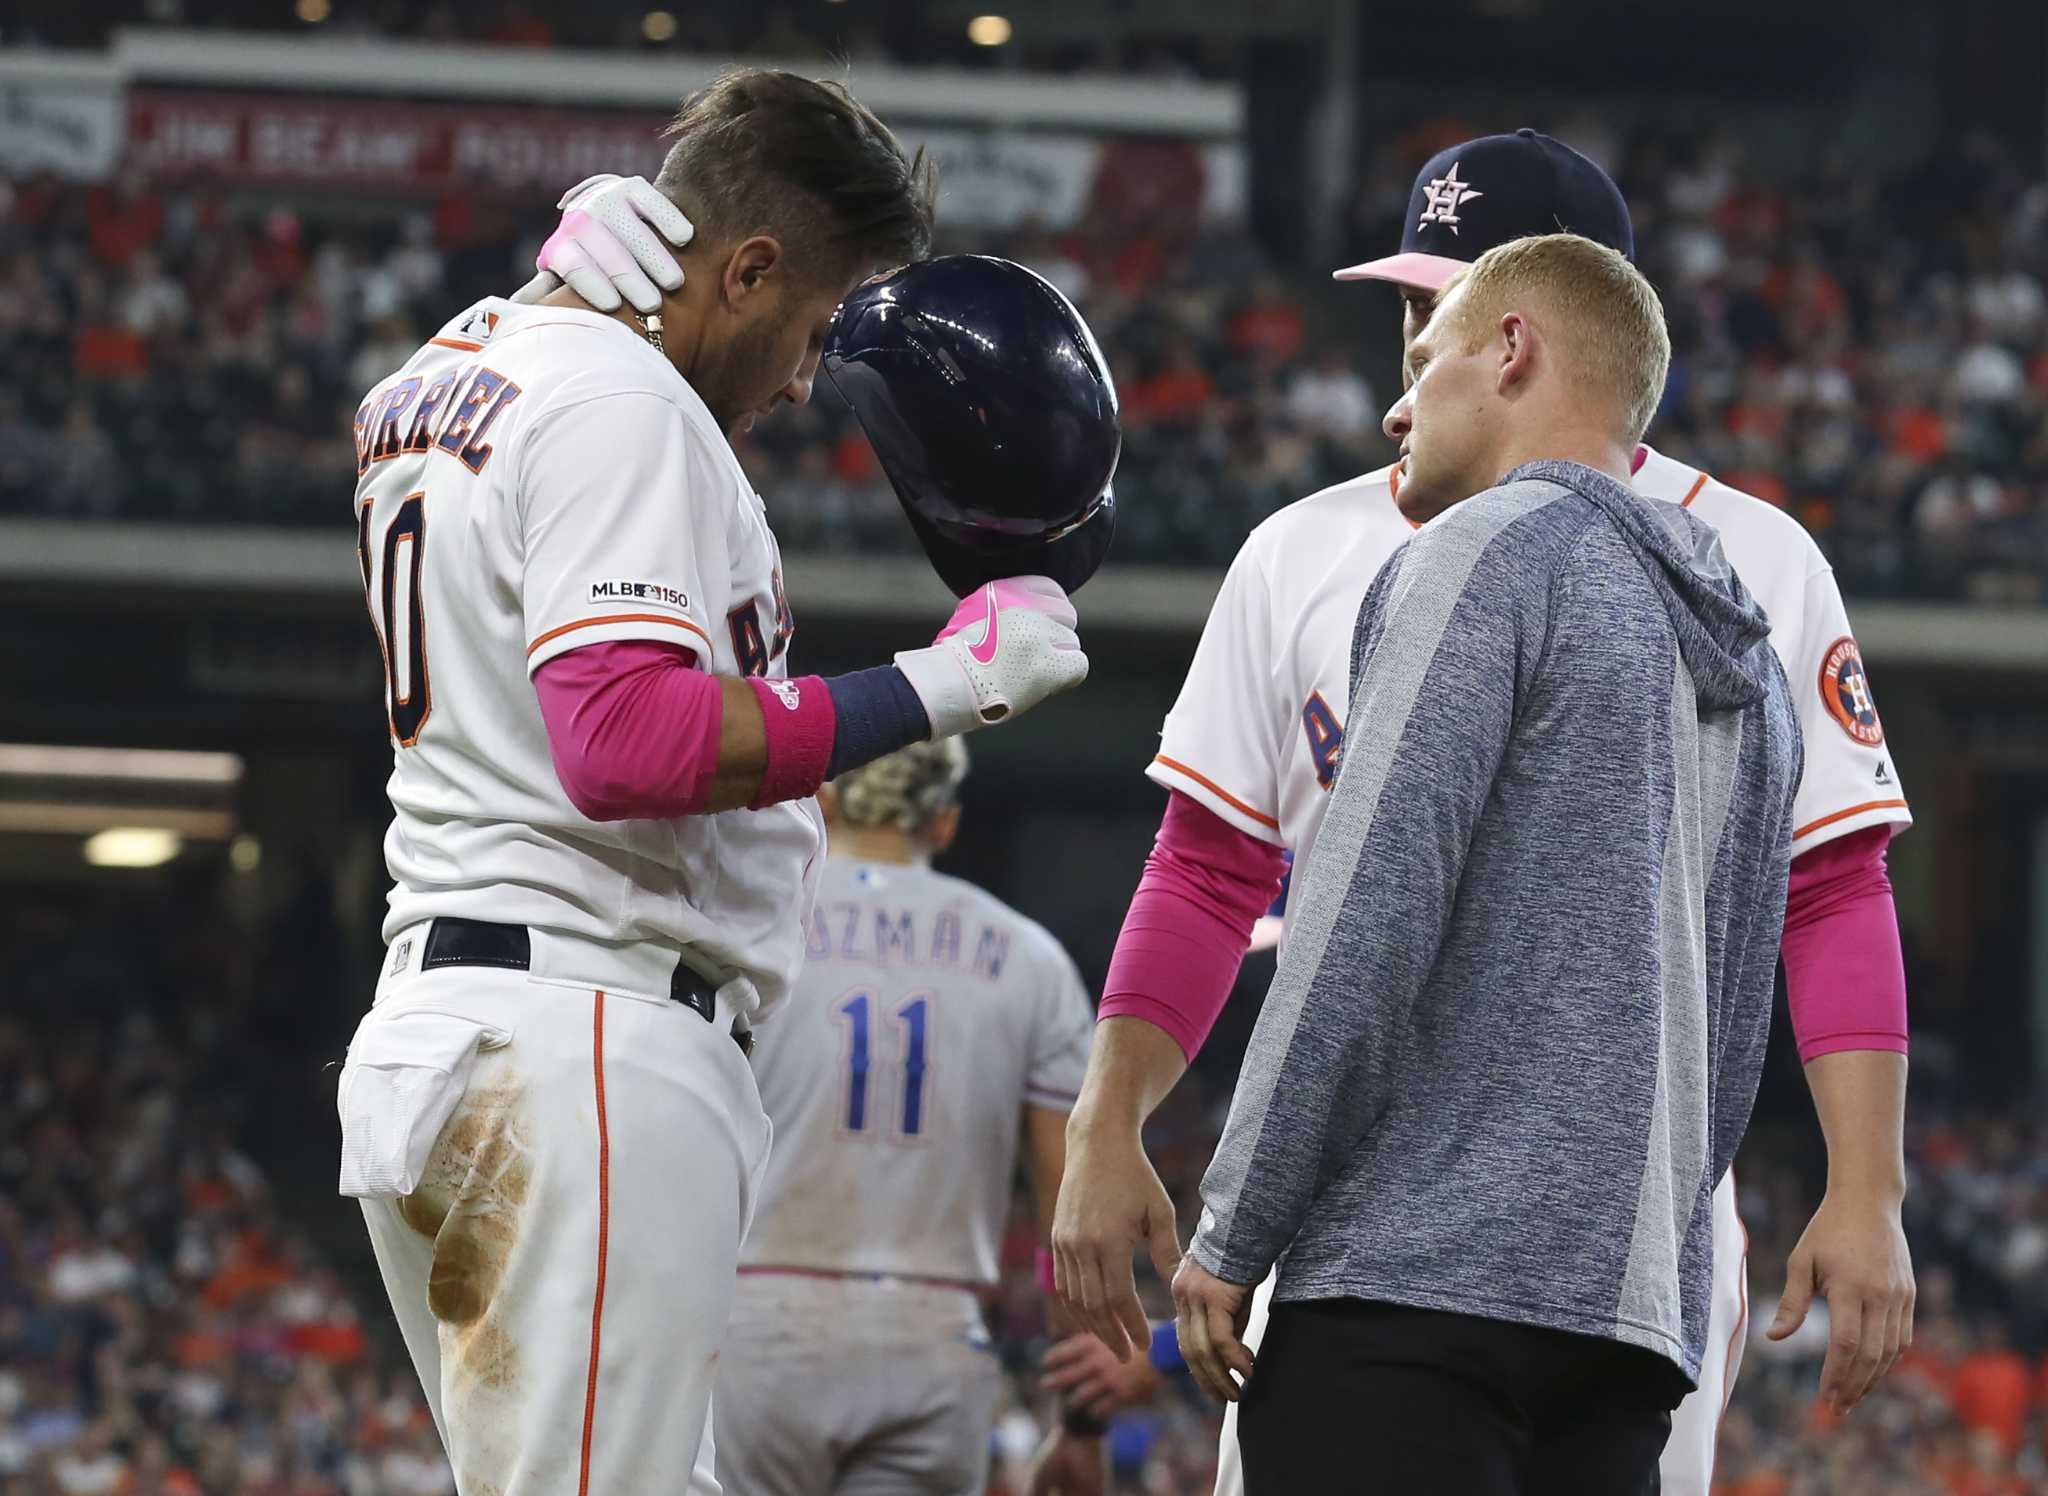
{"x":1010,"y":645}
{"x":605,"y":249}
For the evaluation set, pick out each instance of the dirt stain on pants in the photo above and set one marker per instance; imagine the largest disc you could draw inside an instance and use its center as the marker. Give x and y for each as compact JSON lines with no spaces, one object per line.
{"x":471,"y":1203}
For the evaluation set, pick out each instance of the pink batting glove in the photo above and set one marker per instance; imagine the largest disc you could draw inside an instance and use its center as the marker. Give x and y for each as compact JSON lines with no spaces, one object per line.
{"x":1008,"y":646}
{"x":605,"y":249}
{"x":1041,"y":594}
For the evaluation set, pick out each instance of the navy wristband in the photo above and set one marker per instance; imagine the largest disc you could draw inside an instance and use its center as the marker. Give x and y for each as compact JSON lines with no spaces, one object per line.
{"x":877,"y":713}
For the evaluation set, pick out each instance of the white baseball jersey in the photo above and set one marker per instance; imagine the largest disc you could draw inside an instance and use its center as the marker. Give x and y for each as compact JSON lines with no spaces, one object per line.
{"x":533,"y":480}
{"x":1256,"y":733}
{"x":1257,"y":729}
{"x":928,"y":1016}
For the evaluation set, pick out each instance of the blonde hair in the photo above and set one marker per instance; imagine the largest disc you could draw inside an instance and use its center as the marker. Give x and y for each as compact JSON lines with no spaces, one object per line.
{"x":1609,"y":318}
{"x":906,"y":789}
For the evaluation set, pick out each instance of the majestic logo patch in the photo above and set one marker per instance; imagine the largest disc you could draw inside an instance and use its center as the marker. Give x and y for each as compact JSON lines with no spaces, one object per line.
{"x":1845,"y":691}
{"x":400,"y":954}
{"x":648,"y":594}
{"x":1446,"y":194}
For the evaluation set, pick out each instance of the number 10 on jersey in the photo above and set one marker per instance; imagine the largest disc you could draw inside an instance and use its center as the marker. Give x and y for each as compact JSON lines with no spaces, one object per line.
{"x":392,"y":588}
{"x":857,"y":1011}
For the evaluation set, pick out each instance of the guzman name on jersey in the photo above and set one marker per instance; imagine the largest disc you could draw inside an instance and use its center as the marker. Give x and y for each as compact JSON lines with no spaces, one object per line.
{"x":881,"y":935}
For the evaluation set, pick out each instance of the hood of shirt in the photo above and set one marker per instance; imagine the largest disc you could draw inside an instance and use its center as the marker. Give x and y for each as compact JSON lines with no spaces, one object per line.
{"x":1721,"y":629}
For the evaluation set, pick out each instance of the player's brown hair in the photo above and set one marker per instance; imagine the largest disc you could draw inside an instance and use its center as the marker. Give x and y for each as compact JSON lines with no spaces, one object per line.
{"x":1606,"y":317}
{"x":768,"y":152}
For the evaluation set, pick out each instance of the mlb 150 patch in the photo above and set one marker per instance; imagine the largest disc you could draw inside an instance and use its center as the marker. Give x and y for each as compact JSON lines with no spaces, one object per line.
{"x":1845,"y":688}
{"x":658,"y":594}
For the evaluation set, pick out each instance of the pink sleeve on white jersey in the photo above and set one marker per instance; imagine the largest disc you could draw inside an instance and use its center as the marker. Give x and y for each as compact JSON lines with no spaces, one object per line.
{"x":1190,"y":922}
{"x":1845,"y":976}
{"x":633,"y":728}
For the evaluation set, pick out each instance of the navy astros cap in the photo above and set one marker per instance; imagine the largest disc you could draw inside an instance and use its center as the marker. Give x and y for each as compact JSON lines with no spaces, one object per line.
{"x":1492,"y":190}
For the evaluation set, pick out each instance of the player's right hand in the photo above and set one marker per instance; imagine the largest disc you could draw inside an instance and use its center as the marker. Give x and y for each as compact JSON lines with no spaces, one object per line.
{"x":1008,"y":646}
{"x":1111,"y":1202}
{"x":605,"y":248}
{"x":1853,"y":1253}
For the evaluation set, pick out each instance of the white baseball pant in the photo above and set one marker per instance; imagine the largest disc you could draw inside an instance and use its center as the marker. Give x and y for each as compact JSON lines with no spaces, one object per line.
{"x":1687,"y":1468}
{"x":557,"y":1171}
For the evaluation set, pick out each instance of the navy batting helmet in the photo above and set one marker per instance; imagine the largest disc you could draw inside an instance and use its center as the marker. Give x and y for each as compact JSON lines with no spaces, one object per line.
{"x":990,"y":407}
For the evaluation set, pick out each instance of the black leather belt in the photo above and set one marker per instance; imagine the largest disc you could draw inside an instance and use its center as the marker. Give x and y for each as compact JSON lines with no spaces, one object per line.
{"x":477,"y":942}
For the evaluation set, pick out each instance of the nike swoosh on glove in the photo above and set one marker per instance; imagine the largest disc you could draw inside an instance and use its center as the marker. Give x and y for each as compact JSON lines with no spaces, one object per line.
{"x":1008,"y":646}
{"x":605,"y":249}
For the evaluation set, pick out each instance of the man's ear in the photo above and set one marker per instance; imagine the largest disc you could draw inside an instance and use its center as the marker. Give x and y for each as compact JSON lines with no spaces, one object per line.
{"x":1517,"y":351}
{"x":749,"y":266}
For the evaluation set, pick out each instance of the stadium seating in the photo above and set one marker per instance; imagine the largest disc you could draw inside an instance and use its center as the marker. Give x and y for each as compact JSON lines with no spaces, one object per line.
{"x":177,"y":355}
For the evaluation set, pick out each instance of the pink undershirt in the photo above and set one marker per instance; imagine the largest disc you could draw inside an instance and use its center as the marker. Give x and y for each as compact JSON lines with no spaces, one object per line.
{"x":1845,"y":975}
{"x":1189,"y":922}
{"x":1206,"y":882}
{"x":633,"y":727}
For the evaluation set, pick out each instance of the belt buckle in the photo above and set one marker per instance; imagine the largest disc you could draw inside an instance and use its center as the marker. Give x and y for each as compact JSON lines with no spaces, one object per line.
{"x":744,"y":1037}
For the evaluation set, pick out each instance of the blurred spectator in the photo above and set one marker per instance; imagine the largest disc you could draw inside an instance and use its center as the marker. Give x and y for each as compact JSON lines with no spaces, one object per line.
{"x":1987,"y":372}
{"x":1177,"y":391}
{"x":1331,"y":398}
{"x":1993,"y":1391}
{"x":85,"y":471}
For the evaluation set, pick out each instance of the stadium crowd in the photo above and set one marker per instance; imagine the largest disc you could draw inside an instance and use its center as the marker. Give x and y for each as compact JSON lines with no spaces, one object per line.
{"x":178,"y":1319}
{"x":182,"y":353}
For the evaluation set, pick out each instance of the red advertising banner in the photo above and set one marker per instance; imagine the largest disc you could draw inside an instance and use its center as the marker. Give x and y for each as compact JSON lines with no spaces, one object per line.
{"x":345,"y":143}
{"x":364,"y":142}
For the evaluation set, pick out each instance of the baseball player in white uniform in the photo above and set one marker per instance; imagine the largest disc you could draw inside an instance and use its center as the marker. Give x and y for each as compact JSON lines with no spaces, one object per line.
{"x":604,"y":842}
{"x":933,"y":1037}
{"x":1255,"y":735}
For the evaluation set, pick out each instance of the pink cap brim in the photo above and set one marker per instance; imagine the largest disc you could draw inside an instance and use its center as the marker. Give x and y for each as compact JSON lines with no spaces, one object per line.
{"x":1423,"y":272}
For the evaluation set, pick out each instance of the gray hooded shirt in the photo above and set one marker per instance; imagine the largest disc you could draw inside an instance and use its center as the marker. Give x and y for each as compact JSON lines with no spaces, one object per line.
{"x":1517,"y":1028}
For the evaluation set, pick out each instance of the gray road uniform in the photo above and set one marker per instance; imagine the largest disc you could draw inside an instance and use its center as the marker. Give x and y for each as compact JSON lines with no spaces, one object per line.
{"x":928,"y":1017}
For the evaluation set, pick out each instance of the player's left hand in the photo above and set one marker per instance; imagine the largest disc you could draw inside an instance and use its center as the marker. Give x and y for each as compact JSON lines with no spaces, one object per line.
{"x":1089,"y":1376}
{"x":1069,"y":1465}
{"x":606,"y":246}
{"x":1211,"y":1318}
{"x":1854,"y":1255}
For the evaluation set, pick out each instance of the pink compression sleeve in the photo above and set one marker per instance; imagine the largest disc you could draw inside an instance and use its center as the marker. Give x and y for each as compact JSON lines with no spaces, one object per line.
{"x":633,"y":728}
{"x":1189,"y":922}
{"x":1845,"y":977}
